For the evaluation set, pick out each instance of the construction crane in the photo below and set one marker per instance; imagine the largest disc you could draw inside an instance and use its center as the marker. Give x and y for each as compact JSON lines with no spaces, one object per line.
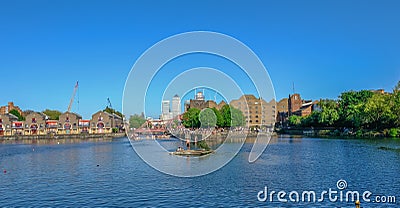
{"x":72,"y":97}
{"x":109,"y":103}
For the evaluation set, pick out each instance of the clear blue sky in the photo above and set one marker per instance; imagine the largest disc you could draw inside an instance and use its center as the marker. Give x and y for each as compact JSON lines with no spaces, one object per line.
{"x":324,"y":47}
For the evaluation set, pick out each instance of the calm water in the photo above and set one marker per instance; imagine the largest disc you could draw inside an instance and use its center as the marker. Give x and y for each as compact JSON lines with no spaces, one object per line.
{"x":110,"y":174}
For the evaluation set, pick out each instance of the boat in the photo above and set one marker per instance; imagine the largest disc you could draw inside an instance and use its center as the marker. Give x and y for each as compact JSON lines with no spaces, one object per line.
{"x":191,"y":152}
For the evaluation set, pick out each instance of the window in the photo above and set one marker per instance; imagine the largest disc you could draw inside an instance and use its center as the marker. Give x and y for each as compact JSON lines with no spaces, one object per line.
{"x":33,"y":120}
{"x":256,"y":116}
{"x":251,"y":121}
{"x":1,"y":120}
{"x":256,"y":121}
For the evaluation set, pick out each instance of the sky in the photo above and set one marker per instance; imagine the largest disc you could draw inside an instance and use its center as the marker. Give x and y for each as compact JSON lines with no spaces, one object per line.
{"x":323,"y":47}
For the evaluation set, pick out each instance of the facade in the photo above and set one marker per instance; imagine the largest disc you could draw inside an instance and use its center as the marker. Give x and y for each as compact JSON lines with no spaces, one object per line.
{"x":299,"y":107}
{"x":69,"y":123}
{"x":176,"y":106}
{"x":10,"y":106}
{"x":282,"y":111}
{"x":166,"y":114}
{"x":6,"y":121}
{"x":200,"y":103}
{"x":256,"y":111}
{"x":35,"y":123}
{"x":103,"y":122}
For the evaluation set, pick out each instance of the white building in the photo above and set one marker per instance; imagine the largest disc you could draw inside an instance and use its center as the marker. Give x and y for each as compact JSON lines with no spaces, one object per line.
{"x":165,"y":110}
{"x":176,"y":106}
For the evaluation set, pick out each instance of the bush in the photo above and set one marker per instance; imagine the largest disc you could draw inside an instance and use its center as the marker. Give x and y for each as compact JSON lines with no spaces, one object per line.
{"x":393,"y":132}
{"x":359,"y":133}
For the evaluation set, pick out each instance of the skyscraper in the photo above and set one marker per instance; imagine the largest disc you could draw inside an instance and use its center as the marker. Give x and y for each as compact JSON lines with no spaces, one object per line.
{"x":165,"y":112}
{"x":176,"y":106}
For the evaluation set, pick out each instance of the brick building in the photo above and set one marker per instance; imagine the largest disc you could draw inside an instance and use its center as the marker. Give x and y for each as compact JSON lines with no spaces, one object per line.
{"x":6,"y":121}
{"x":10,"y":106}
{"x":256,"y":111}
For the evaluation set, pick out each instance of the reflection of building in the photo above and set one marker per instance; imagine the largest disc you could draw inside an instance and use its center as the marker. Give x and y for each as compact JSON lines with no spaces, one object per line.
{"x":256,"y":111}
{"x":10,"y":106}
{"x":176,"y":106}
{"x":6,"y":123}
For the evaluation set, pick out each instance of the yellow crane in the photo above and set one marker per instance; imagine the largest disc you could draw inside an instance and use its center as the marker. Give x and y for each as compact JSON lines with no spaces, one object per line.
{"x":72,"y":97}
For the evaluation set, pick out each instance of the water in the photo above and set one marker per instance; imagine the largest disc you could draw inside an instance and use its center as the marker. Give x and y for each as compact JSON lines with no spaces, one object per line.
{"x":110,"y":174}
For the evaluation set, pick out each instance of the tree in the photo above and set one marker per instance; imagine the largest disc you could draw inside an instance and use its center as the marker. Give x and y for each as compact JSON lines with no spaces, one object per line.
{"x":351,"y":108}
{"x":190,"y":118}
{"x":135,"y":121}
{"x":329,"y":112}
{"x":226,"y":116}
{"x":218,"y":115}
{"x":295,"y":120}
{"x":237,"y":117}
{"x":395,"y":103}
{"x":207,"y":118}
{"x":16,"y":113}
{"x":52,"y":114}
{"x":113,"y":111}
{"x":231,"y":116}
{"x":378,"y":110}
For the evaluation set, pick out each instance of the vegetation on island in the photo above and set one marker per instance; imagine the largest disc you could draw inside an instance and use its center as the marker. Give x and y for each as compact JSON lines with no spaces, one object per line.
{"x":227,"y":116}
{"x":357,"y":112}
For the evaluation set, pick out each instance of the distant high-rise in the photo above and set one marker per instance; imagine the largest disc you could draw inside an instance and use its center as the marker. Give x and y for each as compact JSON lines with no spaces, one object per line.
{"x":176,"y":106}
{"x":165,"y":111}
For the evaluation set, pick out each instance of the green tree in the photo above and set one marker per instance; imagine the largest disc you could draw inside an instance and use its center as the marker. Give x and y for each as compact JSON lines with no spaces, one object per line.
{"x":135,"y":121}
{"x":218,"y":115}
{"x":295,"y":120}
{"x":237,"y":117}
{"x":53,"y":114}
{"x":226,"y":116}
{"x":351,"y":108}
{"x":329,"y":112}
{"x":16,"y":113}
{"x":207,"y":118}
{"x":190,"y":118}
{"x":112,"y":111}
{"x":377,"y":111}
{"x":395,"y":105}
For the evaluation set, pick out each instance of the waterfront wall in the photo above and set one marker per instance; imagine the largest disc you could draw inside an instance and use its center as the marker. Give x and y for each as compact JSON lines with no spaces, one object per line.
{"x":63,"y":136}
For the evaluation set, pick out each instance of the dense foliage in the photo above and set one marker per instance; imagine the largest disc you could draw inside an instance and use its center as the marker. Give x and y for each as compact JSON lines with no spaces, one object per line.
{"x":135,"y":121}
{"x":356,"y":110}
{"x":113,"y":111}
{"x":52,"y":114}
{"x":16,"y":113}
{"x":227,"y":116}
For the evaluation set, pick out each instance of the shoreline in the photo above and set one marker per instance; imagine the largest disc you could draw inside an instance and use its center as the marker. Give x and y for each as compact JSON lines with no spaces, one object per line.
{"x":63,"y":136}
